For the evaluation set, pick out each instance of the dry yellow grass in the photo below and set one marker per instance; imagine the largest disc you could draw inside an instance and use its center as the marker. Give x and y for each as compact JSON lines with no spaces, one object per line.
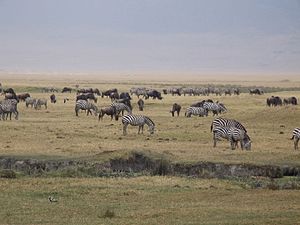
{"x":57,"y":132}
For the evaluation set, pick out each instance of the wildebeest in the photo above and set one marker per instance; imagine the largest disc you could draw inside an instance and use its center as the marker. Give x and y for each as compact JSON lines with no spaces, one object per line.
{"x":256,"y":91}
{"x":274,"y":101}
{"x":53,"y":98}
{"x":200,"y":104}
{"x":22,"y":97}
{"x":125,"y":95}
{"x":110,"y":111}
{"x":154,"y":94}
{"x":175,"y":108}
{"x":66,"y":89}
{"x":291,"y":100}
{"x":86,"y":97}
{"x":141,"y":104}
{"x":108,"y":92}
{"x":89,"y":90}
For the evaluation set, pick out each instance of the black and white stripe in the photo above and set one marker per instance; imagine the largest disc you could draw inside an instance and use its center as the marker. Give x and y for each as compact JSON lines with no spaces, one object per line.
{"x":137,"y":120}
{"x":296,"y":137}
{"x":214,"y":107}
{"x":222,"y":122}
{"x":85,"y":105}
{"x":121,"y":107}
{"x":196,"y":111}
{"x":232,"y":134}
{"x":9,"y":106}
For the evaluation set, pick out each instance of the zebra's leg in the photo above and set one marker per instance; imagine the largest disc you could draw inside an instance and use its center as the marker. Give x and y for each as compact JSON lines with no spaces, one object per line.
{"x":45,"y":106}
{"x":125,"y":128}
{"x":215,"y":140}
{"x":296,"y":141}
{"x":76,"y":111}
{"x":139,"y":129}
{"x":233,"y":144}
{"x":17,"y":114}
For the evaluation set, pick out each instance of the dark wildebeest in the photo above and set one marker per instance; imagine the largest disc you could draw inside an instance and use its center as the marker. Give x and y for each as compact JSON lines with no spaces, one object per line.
{"x":291,"y":100}
{"x":125,"y":95}
{"x":236,"y":91}
{"x":256,"y":91}
{"x":110,"y":111}
{"x":66,"y":89}
{"x":274,"y":101}
{"x":89,"y":90}
{"x":10,"y":94}
{"x":86,"y":97}
{"x":141,"y":104}
{"x":175,"y":108}
{"x":22,"y":97}
{"x":53,"y":98}
{"x":200,"y":104}
{"x":108,"y":92}
{"x":154,"y":94}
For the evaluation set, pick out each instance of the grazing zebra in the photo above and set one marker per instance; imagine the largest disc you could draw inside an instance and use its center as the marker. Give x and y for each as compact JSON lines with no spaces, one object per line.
{"x":120,"y":107}
{"x":216,"y":107}
{"x":39,"y":102}
{"x":9,"y":106}
{"x":197,"y":111}
{"x":232,"y":134}
{"x":85,"y":105}
{"x":137,"y":120}
{"x":110,"y":110}
{"x":222,"y":122}
{"x":30,"y":101}
{"x":296,"y":137}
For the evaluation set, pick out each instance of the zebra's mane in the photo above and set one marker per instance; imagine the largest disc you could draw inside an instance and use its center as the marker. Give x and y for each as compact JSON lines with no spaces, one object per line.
{"x":151,"y":121}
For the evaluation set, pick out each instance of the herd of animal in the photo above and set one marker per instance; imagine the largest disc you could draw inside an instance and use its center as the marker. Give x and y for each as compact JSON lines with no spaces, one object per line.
{"x":221,"y":128}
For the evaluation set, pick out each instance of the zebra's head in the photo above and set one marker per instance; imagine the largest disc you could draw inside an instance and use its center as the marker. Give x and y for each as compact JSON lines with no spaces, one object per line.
{"x":151,"y":129}
{"x":247,"y":143}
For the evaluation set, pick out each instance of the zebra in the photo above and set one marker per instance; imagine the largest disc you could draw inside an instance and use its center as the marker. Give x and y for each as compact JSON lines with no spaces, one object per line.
{"x":216,"y":107}
{"x":120,"y":107}
{"x":30,"y":101}
{"x":85,"y":105}
{"x":39,"y":102}
{"x":9,"y":106}
{"x":232,"y":134}
{"x":197,"y":111}
{"x":296,"y":137}
{"x":222,"y":122}
{"x":137,"y":120}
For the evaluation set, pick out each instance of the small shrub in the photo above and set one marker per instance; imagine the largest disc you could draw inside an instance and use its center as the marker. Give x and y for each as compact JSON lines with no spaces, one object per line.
{"x":109,"y":214}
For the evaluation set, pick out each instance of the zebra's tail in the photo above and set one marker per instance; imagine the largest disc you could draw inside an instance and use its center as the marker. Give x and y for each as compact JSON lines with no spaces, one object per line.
{"x":211,"y":127}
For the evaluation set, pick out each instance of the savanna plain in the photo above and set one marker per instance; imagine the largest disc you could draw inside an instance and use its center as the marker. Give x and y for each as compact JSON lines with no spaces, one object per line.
{"x":56,"y":133}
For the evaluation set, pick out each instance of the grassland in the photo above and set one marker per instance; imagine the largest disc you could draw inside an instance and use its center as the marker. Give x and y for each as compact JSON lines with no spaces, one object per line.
{"x":56,"y":133}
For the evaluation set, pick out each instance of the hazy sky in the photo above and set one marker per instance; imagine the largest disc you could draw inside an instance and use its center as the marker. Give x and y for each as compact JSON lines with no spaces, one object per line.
{"x":150,"y":35}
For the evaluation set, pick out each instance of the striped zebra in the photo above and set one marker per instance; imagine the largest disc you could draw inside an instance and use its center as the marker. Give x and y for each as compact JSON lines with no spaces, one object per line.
{"x":85,"y":105}
{"x":120,"y":107}
{"x":232,"y":134}
{"x":222,"y":122}
{"x":137,"y":120}
{"x":296,"y":137}
{"x":9,"y":106}
{"x":39,"y":102}
{"x":30,"y":101}
{"x":214,"y":107}
{"x":197,"y":111}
